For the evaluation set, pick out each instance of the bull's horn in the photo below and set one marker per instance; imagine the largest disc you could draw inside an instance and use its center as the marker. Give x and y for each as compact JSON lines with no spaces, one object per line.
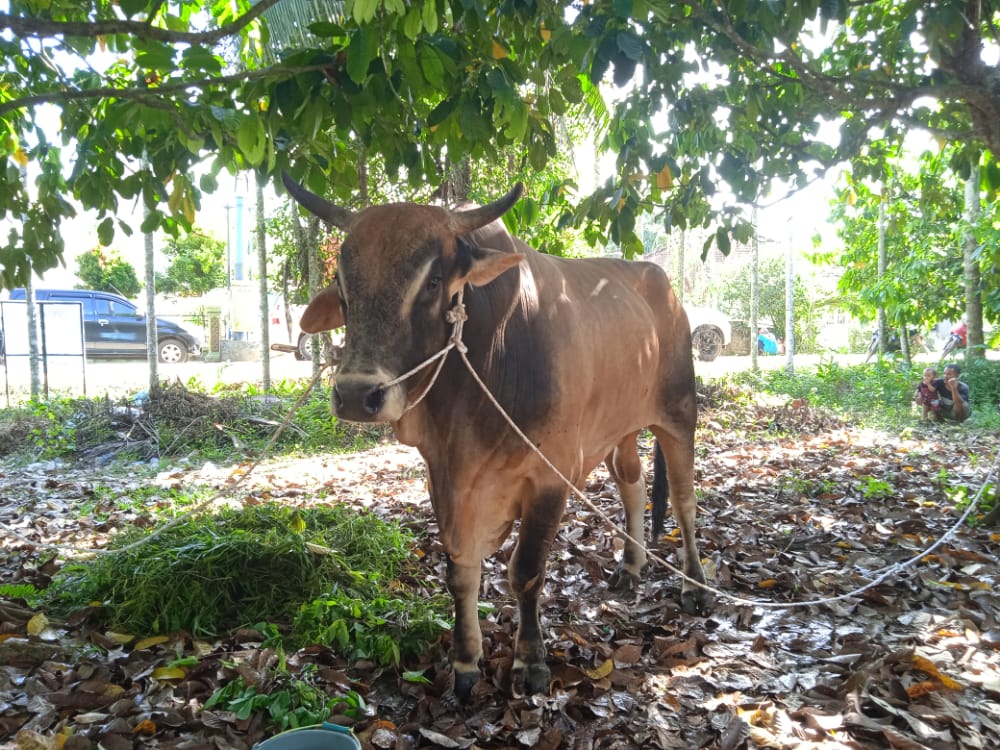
{"x":328,"y":212}
{"x":468,"y":221}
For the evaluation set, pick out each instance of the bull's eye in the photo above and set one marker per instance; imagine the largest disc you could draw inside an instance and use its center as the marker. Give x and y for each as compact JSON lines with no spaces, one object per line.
{"x":433,"y":284}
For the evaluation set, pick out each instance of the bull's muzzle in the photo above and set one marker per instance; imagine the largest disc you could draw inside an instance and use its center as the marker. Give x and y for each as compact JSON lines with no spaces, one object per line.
{"x":366,"y":399}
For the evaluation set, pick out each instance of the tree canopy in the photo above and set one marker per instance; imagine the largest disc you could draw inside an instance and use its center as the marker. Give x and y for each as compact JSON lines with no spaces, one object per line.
{"x":715,"y":106}
{"x":107,"y":271}
{"x":197,"y":265}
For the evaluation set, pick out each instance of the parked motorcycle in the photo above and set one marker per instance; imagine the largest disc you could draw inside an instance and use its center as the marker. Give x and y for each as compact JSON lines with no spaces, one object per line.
{"x":893,"y":343}
{"x":957,"y":339}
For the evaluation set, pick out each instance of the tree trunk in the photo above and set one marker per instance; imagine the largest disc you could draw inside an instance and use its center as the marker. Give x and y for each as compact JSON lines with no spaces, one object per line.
{"x":32,"y":311}
{"x":152,"y":345}
{"x":754,"y":290}
{"x":973,"y":287}
{"x":455,"y":187}
{"x":307,"y":238}
{"x":790,"y":305}
{"x":883,"y":264}
{"x":265,"y":308}
{"x":33,"y":353}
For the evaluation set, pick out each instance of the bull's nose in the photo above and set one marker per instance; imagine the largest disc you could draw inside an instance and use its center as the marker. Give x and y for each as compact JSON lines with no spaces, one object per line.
{"x":358,"y":400}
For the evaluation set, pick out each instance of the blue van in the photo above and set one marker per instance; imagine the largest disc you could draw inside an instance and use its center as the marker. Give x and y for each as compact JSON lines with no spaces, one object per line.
{"x":114,"y":327}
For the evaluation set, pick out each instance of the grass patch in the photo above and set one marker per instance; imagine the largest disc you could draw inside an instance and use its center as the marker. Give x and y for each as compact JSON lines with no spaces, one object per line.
{"x":179,"y":420}
{"x":325,"y":575}
{"x":876,"y":395}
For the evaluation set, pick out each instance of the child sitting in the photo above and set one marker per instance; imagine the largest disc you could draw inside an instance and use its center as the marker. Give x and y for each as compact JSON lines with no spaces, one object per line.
{"x":927,"y":395}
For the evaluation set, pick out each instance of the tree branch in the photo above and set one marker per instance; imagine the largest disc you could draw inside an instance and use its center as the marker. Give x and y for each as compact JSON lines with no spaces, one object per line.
{"x":64,"y":96}
{"x":857,"y":95}
{"x":43,"y":28}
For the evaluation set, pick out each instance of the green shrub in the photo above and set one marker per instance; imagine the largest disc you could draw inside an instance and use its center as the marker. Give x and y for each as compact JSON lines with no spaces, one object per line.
{"x":983,"y":377}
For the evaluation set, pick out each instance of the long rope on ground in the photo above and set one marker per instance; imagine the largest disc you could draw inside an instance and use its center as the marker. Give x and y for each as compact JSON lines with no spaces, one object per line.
{"x":457,"y":317}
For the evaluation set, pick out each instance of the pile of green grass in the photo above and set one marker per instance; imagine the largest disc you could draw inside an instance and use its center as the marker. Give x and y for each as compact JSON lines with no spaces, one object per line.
{"x":324,"y":575}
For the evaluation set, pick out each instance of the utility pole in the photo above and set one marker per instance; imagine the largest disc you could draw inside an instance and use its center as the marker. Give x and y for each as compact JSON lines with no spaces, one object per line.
{"x":265,"y":323}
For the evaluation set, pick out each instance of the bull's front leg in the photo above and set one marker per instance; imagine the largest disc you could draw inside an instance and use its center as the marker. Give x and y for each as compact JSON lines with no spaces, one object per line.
{"x":539,"y":524}
{"x":467,"y":640}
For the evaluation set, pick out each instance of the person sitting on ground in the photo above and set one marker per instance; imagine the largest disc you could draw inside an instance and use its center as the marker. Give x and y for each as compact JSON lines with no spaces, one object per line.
{"x":766,"y":342}
{"x":953,"y":394}
{"x":927,"y":395}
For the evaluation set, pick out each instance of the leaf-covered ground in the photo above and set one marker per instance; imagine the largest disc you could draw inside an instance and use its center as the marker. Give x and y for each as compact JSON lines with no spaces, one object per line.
{"x":796,"y":505}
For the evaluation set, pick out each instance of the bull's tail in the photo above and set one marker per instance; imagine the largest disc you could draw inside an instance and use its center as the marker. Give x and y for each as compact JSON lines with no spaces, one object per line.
{"x":661,"y":489}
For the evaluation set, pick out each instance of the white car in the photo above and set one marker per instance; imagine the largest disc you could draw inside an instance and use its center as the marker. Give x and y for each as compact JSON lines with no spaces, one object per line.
{"x":710,"y":331}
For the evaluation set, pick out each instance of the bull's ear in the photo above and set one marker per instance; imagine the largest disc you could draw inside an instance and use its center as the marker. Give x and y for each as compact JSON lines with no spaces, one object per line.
{"x":323,"y":313}
{"x":487,"y":264}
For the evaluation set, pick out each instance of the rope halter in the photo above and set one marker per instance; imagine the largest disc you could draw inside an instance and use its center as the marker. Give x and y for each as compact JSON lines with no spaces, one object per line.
{"x":456,"y":316}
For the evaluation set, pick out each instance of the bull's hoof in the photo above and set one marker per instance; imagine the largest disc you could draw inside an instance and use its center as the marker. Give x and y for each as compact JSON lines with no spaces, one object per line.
{"x":624,"y":580}
{"x":696,"y":601}
{"x":464,"y":682}
{"x":530,"y":679}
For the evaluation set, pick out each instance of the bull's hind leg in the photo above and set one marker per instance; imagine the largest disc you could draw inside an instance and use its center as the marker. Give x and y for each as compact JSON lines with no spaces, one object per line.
{"x":539,"y":524}
{"x":626,"y":470}
{"x":677,"y":444}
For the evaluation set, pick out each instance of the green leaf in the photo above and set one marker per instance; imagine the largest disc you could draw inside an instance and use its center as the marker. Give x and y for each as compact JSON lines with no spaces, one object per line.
{"x":722,"y":238}
{"x":132,"y":7}
{"x":406,"y":59}
{"x":208,"y":183}
{"x":106,"y":231}
{"x":155,"y":55}
{"x":250,"y":138}
{"x":416,"y":677}
{"x":517,"y":121}
{"x":360,"y":52}
{"x":194,"y":144}
{"x":364,"y":10}
{"x":440,"y":113}
{"x":412,"y":24}
{"x":430,"y":16}
{"x":630,"y":44}
{"x":991,"y":176}
{"x":197,"y":57}
{"x":474,"y":126}
{"x":432,"y":66}
{"x":326,"y":29}
{"x":623,"y":8}
{"x":229,"y":118}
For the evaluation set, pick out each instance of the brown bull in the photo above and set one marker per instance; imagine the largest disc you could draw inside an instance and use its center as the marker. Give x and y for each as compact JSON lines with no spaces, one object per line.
{"x":583,"y":354}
